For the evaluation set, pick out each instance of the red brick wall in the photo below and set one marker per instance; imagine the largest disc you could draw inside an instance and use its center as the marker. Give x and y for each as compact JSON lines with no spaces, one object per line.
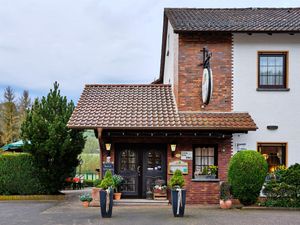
{"x":204,"y":192}
{"x":197,"y":192}
{"x":190,"y":72}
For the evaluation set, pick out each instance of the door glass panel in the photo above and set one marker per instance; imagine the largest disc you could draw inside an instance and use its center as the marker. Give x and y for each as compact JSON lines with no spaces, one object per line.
{"x":154,"y":161}
{"x":128,"y":160}
{"x":129,"y":184}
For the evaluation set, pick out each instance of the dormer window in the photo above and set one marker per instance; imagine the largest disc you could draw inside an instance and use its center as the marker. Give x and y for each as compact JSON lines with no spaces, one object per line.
{"x":272,"y":70}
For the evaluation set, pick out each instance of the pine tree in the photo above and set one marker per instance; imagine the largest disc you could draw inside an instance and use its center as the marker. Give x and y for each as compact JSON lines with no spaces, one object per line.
{"x":24,"y":105}
{"x":9,"y":117}
{"x":54,"y":147}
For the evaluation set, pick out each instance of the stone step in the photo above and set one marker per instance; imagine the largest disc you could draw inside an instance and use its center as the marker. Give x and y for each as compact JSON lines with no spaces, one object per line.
{"x":137,"y":202}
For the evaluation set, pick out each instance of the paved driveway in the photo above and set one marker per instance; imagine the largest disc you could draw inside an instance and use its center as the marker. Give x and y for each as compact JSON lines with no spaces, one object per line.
{"x":70,"y":212}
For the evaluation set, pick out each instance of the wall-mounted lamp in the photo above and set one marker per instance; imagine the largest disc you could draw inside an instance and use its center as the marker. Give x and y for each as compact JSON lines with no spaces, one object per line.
{"x":107,"y":146}
{"x":173,"y":149}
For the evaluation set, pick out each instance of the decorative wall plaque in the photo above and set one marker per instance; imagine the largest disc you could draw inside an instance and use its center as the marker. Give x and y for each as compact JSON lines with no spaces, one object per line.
{"x":186,"y":155}
{"x":207,"y":78}
{"x":180,"y":165}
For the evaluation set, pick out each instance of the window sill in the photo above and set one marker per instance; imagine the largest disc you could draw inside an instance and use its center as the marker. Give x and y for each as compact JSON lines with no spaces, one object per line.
{"x":205,"y":180}
{"x":272,"y":89}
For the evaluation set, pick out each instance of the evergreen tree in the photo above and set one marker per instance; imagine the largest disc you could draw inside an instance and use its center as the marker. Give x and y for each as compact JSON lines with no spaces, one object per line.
{"x":24,"y":105}
{"x":54,"y":147}
{"x":9,"y":117}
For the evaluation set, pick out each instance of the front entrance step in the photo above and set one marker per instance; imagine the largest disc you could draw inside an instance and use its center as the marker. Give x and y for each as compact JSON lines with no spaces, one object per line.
{"x":143,"y":202}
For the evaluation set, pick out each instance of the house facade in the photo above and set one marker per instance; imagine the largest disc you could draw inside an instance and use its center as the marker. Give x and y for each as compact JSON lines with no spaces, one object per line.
{"x":199,"y":110}
{"x":261,"y":49}
{"x":274,"y":108}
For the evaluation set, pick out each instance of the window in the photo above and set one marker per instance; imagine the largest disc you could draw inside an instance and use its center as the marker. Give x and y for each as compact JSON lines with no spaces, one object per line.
{"x":204,"y":157}
{"x":272,"y":72}
{"x":274,"y":153}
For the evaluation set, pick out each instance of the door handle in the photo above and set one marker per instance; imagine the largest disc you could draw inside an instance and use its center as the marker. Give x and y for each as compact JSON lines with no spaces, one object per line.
{"x":138,"y":170}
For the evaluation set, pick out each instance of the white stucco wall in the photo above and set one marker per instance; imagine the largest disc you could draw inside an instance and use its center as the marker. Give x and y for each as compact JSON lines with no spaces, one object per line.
{"x":267,"y":108}
{"x":171,"y":57}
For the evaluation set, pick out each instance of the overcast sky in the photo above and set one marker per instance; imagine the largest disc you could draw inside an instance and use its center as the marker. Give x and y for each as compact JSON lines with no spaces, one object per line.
{"x":76,"y":42}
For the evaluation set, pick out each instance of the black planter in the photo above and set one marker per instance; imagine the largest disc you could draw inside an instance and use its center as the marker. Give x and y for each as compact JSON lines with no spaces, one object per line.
{"x":174,"y":195}
{"x":106,"y":213}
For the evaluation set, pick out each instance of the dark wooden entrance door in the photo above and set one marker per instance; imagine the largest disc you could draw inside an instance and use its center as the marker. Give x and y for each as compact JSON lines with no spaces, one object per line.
{"x":140,"y":165}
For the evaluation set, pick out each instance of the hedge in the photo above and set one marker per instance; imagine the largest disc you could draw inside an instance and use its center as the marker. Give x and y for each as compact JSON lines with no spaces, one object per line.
{"x":18,"y":176}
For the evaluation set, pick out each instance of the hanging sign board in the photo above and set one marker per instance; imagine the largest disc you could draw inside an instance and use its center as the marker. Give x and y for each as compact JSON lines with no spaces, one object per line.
{"x":107,"y":166}
{"x":186,"y":155}
{"x":178,"y":165}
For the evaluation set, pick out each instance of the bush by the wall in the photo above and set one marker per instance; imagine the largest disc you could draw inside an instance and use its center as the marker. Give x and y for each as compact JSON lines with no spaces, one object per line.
{"x":18,"y":176}
{"x":291,"y":176}
{"x":284,"y":191}
{"x":88,"y":183}
{"x":246,"y":174}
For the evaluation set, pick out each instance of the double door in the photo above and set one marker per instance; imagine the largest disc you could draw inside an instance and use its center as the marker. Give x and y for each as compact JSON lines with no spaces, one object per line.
{"x":140,"y":165}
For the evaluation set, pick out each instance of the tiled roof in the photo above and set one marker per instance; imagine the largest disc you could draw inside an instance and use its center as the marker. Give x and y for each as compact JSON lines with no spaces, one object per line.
{"x":235,"y":19}
{"x":146,"y":107}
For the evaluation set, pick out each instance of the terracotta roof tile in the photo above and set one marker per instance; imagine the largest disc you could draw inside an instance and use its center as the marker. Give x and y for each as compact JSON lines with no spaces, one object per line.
{"x":146,"y":107}
{"x":235,"y":19}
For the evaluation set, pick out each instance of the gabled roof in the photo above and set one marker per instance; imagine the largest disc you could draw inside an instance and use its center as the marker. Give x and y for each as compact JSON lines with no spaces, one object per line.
{"x":146,"y":107}
{"x":234,"y":19}
{"x":247,"y":20}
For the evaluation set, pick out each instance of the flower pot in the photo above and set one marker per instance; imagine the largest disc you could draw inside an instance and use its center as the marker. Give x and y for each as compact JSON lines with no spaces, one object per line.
{"x":106,"y":209}
{"x":174,"y":195}
{"x":213,"y":176}
{"x":85,"y":204}
{"x":96,"y":197}
{"x":228,"y":203}
{"x":200,"y":177}
{"x":162,"y":191}
{"x":117,"y":196}
{"x":225,"y":204}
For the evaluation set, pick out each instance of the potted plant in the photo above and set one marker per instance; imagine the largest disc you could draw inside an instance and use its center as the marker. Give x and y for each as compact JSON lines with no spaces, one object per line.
{"x":117,"y":182}
{"x":225,"y":195}
{"x":85,"y":199}
{"x":106,"y":195}
{"x":200,"y":174}
{"x":161,"y":189}
{"x":178,"y":194}
{"x":211,"y":172}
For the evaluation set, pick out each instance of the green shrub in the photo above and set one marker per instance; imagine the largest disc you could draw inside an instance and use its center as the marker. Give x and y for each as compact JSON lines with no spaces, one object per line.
{"x":284,"y":190}
{"x":18,"y":175}
{"x":246,"y":174}
{"x":88,"y":183}
{"x":107,"y":181}
{"x":291,"y":176}
{"x":225,"y":191}
{"x":97,"y":182}
{"x":118,"y":181}
{"x":177,"y":180}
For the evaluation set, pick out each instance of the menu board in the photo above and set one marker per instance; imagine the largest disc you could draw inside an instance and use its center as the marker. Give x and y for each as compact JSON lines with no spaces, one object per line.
{"x":178,"y":165}
{"x":107,"y":166}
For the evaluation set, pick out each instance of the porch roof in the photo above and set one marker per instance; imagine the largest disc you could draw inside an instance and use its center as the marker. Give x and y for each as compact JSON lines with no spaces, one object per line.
{"x":147,"y":107}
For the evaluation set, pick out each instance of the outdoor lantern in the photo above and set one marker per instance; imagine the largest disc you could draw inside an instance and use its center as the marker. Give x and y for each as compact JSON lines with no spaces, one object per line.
{"x":108,"y":146}
{"x":173,"y":148}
